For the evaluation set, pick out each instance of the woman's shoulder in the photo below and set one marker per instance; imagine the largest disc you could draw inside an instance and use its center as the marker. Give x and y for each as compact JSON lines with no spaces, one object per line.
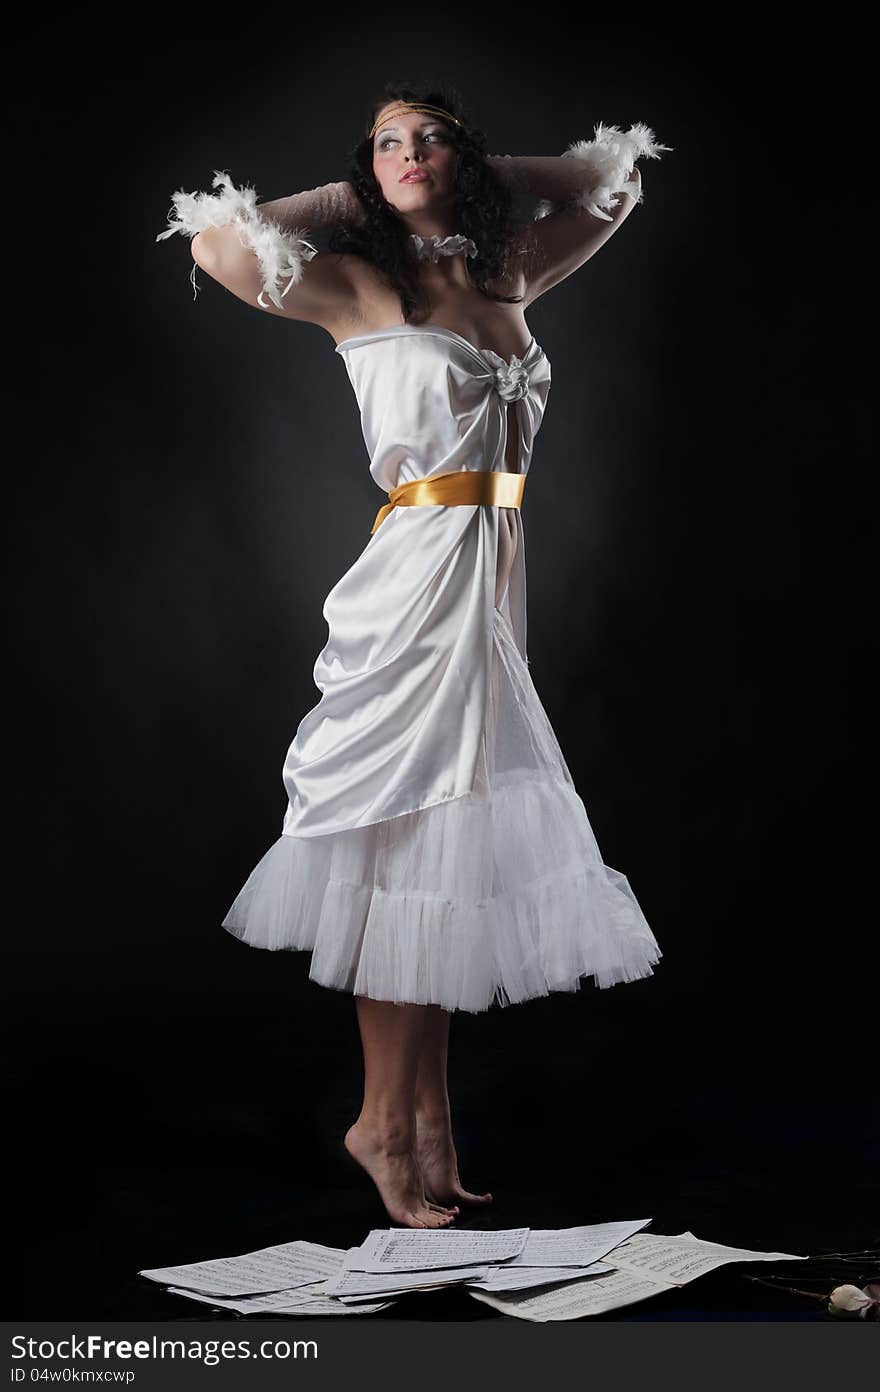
{"x":375,"y":302}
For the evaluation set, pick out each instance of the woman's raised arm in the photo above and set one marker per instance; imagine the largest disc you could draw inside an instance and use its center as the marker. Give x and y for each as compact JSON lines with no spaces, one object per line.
{"x":260,"y":251}
{"x":580,"y":198}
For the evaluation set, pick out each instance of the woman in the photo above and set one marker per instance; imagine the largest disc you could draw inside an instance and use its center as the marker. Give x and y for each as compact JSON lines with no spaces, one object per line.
{"x":435,"y":855}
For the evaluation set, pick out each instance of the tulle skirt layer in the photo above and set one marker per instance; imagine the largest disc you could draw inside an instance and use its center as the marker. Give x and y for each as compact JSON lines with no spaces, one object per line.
{"x":495,"y":897}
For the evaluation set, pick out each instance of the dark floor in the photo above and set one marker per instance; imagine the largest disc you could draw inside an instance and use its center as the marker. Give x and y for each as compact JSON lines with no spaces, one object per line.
{"x":215,"y":1149}
{"x":127,"y":1218}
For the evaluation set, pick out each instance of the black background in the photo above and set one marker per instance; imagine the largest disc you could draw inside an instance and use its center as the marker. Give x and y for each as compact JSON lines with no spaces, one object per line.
{"x":188,"y":481}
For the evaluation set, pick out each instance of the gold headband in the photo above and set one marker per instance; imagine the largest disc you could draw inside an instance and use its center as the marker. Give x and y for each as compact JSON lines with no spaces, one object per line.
{"x":413,"y":106}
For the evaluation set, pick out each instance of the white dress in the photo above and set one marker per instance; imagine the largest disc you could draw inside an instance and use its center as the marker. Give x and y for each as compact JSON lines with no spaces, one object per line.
{"x":434,"y":849}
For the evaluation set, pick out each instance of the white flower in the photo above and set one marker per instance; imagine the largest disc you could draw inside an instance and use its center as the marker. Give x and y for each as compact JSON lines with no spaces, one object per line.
{"x":511,"y":379}
{"x":849,"y":1300}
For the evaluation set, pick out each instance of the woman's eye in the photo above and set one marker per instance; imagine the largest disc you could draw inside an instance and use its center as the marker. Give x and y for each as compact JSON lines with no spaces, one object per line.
{"x":389,"y":140}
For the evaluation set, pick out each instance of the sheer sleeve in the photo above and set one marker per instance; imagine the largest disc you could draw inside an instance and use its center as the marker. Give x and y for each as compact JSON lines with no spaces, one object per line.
{"x":277,"y":232}
{"x":590,"y":174}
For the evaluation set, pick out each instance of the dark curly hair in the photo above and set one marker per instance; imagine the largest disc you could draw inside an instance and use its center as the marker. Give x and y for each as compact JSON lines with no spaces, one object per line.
{"x":485,"y":207}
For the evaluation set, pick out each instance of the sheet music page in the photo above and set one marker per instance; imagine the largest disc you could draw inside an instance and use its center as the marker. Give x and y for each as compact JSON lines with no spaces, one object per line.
{"x":575,"y":1299}
{"x":646,"y":1264}
{"x":351,"y":1281}
{"x":282,"y":1267}
{"x":575,"y":1246}
{"x":423,"y":1249}
{"x":683,"y":1257}
{"x":524,"y":1277}
{"x":294,"y":1302}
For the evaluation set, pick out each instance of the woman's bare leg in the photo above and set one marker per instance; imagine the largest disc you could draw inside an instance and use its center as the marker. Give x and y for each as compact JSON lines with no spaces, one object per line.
{"x":434,"y":1145}
{"x":435,"y":1148}
{"x":403,"y":1136}
{"x":383,"y":1139}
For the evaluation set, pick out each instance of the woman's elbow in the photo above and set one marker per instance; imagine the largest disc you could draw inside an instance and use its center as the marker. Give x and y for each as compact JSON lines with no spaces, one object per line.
{"x":200,"y":249}
{"x":195,"y":247}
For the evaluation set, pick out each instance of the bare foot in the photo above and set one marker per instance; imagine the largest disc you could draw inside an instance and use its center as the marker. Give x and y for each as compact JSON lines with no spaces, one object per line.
{"x":394,"y":1169}
{"x":439,"y":1165}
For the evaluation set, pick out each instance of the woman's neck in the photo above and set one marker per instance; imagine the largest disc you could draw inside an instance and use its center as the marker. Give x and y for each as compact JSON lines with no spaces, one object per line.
{"x":448,"y":271}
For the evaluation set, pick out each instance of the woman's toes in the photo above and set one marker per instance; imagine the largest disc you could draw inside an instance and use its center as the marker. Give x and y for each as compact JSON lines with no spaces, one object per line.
{"x":464,"y":1195}
{"x":436,"y":1220}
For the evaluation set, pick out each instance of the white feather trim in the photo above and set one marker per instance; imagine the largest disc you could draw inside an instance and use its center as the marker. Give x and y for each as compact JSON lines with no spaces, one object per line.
{"x":281,"y":253}
{"x":608,"y":162}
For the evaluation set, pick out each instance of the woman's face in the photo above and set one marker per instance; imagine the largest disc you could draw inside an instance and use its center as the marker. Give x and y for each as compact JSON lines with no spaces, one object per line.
{"x":413,"y":141}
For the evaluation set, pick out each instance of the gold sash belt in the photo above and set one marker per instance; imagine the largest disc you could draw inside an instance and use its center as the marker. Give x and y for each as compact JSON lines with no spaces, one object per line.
{"x":493,"y":487}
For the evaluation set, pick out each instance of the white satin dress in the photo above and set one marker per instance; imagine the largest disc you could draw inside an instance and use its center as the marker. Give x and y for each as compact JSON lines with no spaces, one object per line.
{"x":434,"y":848}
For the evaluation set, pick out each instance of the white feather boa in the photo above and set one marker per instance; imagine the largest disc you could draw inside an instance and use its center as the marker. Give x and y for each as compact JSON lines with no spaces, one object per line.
{"x":607,"y":162}
{"x":281,"y":253}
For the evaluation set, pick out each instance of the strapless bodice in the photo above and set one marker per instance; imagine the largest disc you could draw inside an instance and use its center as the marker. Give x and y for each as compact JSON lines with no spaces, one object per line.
{"x":432,"y":402}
